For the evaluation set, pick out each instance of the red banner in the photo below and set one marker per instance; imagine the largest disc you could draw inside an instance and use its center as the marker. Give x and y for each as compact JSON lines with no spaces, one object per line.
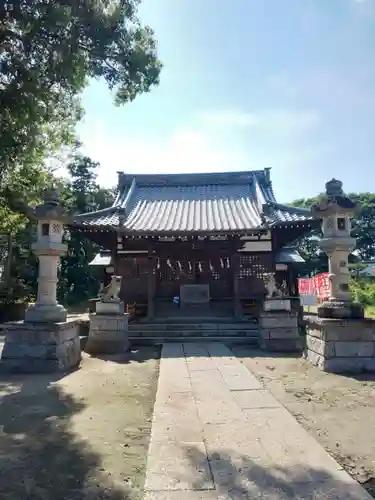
{"x":322,"y":286}
{"x":305,"y":286}
{"x":318,"y":285}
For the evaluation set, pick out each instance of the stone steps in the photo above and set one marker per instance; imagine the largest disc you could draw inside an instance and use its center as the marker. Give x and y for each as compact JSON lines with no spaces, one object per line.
{"x":207,"y":320}
{"x":194,"y":333}
{"x":202,"y":331}
{"x":209,"y":327}
{"x":253,"y":341}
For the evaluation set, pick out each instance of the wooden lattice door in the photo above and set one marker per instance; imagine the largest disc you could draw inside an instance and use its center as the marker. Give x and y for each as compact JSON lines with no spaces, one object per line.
{"x":251,"y":274}
{"x":171,"y":274}
{"x":220,"y":277}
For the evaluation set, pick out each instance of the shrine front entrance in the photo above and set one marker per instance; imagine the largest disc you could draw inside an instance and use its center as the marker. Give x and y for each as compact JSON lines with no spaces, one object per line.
{"x":216,"y":273}
{"x":197,"y":285}
{"x":205,"y":283}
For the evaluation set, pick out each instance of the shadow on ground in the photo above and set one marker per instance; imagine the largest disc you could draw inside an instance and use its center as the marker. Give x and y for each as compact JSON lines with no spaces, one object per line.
{"x":241,"y":478}
{"x":136,"y":354}
{"x":40,"y":456}
{"x":255,"y":352}
{"x":361,"y":377}
{"x":142,"y":353}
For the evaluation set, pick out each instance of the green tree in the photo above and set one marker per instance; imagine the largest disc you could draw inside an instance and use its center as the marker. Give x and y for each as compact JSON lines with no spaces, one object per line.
{"x":16,"y":230}
{"x":49,"y":49}
{"x":308,"y":245}
{"x":77,"y":282}
{"x":364,"y":227}
{"x":363,"y":231}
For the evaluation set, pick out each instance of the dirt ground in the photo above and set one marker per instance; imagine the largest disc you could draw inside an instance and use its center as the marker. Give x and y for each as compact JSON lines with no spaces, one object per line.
{"x":83,"y":436}
{"x":339,"y":411}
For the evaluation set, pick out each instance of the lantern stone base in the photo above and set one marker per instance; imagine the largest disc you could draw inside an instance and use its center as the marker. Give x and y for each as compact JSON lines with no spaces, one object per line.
{"x":279,"y":332}
{"x":41,"y":347}
{"x":42,"y":313}
{"x":108,"y":334}
{"x":341,"y":309}
{"x":340,"y":346}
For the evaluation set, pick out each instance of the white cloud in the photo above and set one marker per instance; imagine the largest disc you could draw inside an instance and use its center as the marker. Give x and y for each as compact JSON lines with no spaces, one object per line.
{"x":186,"y":150}
{"x":208,"y":146}
{"x":286,"y":122}
{"x":228,"y":118}
{"x":276,"y":118}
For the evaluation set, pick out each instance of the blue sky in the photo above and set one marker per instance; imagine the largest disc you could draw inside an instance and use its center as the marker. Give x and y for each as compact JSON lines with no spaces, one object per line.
{"x":248,"y":84}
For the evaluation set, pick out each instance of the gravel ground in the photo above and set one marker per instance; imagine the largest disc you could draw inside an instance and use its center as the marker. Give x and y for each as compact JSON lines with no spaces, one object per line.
{"x":82,"y":436}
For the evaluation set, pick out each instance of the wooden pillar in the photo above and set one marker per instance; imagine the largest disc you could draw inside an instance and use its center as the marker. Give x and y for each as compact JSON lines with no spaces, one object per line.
{"x":235,"y":264}
{"x":292,"y":281}
{"x":151,"y":287}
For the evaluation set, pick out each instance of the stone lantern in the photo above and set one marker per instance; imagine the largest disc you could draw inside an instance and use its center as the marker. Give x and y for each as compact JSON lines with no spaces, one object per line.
{"x":48,"y":248}
{"x":46,"y":341}
{"x":336,"y":211}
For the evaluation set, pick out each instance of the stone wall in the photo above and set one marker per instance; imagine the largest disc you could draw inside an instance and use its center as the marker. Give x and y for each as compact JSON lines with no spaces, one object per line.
{"x":279,"y":331}
{"x":341,"y":346}
{"x":41,"y":347}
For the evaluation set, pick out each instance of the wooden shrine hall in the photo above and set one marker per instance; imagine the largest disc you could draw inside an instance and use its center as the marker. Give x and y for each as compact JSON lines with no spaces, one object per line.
{"x":197,"y":243}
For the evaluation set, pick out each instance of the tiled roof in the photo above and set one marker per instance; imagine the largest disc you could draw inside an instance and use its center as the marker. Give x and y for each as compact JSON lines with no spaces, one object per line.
{"x":289,"y":255}
{"x":101,"y":260}
{"x":193,"y":203}
{"x":276,"y":213}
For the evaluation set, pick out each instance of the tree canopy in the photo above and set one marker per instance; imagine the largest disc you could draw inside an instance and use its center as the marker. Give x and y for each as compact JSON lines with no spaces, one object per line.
{"x":77,"y":282}
{"x":49,"y":49}
{"x":79,"y":193}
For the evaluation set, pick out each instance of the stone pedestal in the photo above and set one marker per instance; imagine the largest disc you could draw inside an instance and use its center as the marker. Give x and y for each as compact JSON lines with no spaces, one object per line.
{"x":41,"y":347}
{"x":277,"y":305}
{"x":279,"y":331}
{"x":341,"y":309}
{"x":115,"y":307}
{"x":108,"y":329}
{"x":341,"y":346}
{"x":45,"y":313}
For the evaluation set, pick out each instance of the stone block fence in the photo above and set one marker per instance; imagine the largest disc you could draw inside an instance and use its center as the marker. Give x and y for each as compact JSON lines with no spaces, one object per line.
{"x":280,"y":332}
{"x":340,"y":346}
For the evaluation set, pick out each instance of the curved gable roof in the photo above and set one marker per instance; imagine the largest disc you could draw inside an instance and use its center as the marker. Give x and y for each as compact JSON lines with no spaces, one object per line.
{"x":194,"y":203}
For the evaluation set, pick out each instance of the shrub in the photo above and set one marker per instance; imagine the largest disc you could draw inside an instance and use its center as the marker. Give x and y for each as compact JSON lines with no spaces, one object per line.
{"x":363,"y":291}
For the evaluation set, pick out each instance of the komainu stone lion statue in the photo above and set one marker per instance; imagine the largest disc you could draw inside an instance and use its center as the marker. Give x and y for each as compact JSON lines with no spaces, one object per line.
{"x":110,"y":293}
{"x":270,"y":284}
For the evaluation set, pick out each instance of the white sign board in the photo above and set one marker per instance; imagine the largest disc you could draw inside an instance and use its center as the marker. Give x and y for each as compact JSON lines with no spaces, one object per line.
{"x":308,"y":300}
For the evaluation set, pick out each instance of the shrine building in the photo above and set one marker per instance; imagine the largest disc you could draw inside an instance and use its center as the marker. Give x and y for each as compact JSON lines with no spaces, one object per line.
{"x":204,"y":243}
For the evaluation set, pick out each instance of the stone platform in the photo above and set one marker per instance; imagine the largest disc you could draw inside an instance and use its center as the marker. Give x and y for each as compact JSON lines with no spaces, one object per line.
{"x":41,"y":347}
{"x":108,"y":333}
{"x":341,"y":345}
{"x":218,"y":434}
{"x":279,"y":332}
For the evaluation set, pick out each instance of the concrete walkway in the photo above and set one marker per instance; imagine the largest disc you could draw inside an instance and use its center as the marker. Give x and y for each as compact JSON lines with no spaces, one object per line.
{"x":218,"y":434}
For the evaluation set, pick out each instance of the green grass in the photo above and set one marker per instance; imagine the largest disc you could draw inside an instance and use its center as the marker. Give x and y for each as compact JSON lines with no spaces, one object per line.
{"x":370,"y":312}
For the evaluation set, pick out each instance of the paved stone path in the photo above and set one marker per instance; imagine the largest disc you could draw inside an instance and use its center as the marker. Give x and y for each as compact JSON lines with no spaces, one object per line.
{"x":218,"y":434}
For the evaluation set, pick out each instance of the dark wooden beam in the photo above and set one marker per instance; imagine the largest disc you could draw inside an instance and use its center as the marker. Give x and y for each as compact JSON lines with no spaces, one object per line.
{"x":235,"y":265}
{"x":151,"y":286}
{"x":283,"y":236}
{"x":105,"y":239}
